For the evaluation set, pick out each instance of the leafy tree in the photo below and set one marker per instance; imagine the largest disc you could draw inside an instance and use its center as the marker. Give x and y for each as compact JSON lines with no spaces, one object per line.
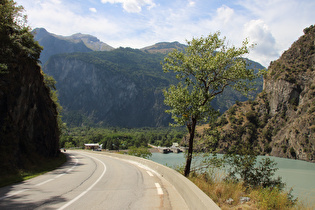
{"x":16,"y":40}
{"x":50,"y":82}
{"x":204,"y":70}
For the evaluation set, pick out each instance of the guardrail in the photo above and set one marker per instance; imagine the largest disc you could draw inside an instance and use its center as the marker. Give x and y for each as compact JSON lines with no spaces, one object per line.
{"x":193,"y":196}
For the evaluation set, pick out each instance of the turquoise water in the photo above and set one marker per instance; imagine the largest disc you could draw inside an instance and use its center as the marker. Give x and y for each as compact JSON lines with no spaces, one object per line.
{"x":298,"y":175}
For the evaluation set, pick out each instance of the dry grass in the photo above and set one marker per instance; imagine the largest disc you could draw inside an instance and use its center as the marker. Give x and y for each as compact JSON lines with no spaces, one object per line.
{"x":220,"y":192}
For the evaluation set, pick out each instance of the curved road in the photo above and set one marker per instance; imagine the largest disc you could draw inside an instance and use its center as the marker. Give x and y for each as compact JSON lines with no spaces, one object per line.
{"x":91,"y":180}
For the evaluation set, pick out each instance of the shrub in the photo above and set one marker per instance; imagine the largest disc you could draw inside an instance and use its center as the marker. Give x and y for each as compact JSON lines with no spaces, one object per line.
{"x":140,"y":152}
{"x":252,"y":117}
{"x":244,"y":168}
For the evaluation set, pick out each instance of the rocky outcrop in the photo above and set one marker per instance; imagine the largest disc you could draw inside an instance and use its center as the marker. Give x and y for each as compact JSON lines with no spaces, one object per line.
{"x":28,"y":124}
{"x":281,"y":120}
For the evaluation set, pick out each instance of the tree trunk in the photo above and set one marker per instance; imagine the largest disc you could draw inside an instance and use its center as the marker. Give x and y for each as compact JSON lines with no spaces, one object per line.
{"x":191,"y":129}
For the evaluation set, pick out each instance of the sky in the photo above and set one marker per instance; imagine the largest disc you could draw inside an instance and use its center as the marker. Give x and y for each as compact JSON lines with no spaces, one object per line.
{"x":272,"y":25}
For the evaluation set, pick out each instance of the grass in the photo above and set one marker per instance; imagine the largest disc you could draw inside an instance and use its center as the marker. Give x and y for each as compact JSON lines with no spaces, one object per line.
{"x":43,"y":166}
{"x":260,"y":198}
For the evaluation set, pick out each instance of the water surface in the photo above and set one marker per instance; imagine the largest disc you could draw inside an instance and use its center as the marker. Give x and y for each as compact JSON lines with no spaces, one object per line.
{"x":298,"y":175}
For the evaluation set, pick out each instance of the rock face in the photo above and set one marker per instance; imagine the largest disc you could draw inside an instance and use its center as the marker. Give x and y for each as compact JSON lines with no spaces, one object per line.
{"x":110,"y":94}
{"x":29,"y":130}
{"x":281,"y":120}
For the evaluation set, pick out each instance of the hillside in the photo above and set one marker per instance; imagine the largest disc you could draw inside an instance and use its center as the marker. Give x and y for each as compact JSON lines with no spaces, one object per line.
{"x":122,"y":87}
{"x":29,"y":131}
{"x":281,"y":120}
{"x":116,"y":87}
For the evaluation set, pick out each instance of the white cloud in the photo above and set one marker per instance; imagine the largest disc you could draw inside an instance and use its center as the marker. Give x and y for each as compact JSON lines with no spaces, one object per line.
{"x":191,"y":3}
{"x":286,"y":19}
{"x":92,"y":9}
{"x":132,"y":6}
{"x":224,"y":14}
{"x":59,"y":19}
{"x":272,"y":24}
{"x":266,"y":47}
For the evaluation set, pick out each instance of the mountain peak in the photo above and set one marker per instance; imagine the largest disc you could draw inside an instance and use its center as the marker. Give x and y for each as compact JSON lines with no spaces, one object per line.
{"x":164,"y":47}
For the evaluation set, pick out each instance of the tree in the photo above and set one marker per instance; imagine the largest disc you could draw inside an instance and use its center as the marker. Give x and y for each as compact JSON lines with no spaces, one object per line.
{"x":204,"y":70}
{"x":16,"y":40}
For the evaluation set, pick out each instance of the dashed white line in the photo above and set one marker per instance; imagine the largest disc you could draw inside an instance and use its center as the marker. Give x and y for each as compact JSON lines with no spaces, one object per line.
{"x":39,"y":184}
{"x":150,"y":174}
{"x":159,"y":189}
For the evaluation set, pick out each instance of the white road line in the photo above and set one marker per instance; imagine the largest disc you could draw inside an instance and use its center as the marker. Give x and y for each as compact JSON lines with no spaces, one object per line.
{"x":39,"y":184}
{"x":87,"y":190}
{"x":150,"y":174}
{"x":159,"y":189}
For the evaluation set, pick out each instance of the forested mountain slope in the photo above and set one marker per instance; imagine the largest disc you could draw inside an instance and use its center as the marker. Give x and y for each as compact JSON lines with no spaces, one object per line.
{"x":118,"y":88}
{"x":122,"y":87}
{"x":113,"y":87}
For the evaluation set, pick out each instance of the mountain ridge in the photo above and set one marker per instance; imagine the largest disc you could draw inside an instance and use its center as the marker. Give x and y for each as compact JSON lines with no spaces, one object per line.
{"x":56,"y":44}
{"x":139,"y":70}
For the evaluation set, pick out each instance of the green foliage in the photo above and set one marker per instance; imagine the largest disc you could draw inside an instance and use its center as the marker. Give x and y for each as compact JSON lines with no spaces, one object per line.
{"x":140,"y":152}
{"x":16,"y":38}
{"x":121,"y":138}
{"x":252,"y":117}
{"x":50,"y":83}
{"x":272,"y":198}
{"x":245,"y":168}
{"x":204,"y":70}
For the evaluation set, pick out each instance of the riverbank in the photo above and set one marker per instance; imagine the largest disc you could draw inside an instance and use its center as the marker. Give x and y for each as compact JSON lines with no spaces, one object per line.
{"x":298,"y":175}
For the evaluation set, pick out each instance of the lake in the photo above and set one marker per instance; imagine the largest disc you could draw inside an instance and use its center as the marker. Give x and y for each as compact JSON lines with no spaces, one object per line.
{"x":297,"y":174}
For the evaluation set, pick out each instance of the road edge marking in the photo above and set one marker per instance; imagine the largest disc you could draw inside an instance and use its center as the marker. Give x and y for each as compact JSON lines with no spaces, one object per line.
{"x":87,"y":190}
{"x":159,"y":189}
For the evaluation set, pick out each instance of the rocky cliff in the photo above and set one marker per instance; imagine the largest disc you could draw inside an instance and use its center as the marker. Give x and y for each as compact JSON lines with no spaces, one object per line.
{"x":29,"y":132}
{"x":29,"y":129}
{"x":281,"y":120}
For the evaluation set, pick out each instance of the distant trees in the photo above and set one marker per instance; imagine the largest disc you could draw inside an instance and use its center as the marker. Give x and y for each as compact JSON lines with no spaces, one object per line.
{"x":122,"y":138}
{"x":204,"y":70}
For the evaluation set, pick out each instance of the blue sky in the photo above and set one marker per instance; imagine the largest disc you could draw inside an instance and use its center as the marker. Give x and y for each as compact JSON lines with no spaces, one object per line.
{"x":273,"y":25}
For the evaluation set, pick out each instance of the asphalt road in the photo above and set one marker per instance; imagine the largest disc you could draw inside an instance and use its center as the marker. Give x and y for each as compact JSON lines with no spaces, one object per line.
{"x":91,"y":180}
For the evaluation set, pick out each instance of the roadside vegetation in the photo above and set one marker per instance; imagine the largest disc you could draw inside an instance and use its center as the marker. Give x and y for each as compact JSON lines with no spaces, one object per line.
{"x":41,"y":166}
{"x":241,"y":182}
